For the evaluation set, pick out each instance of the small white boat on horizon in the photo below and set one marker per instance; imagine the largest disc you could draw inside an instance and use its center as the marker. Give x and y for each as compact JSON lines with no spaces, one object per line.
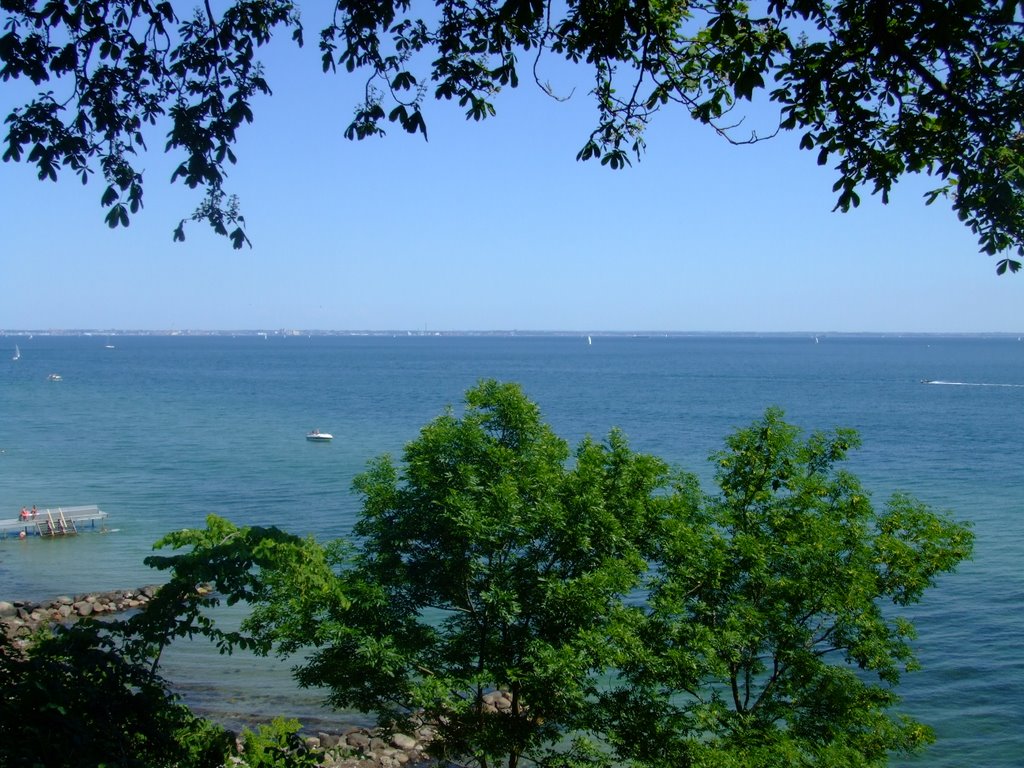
{"x":316,"y":436}
{"x":17,"y":353}
{"x":55,"y":377}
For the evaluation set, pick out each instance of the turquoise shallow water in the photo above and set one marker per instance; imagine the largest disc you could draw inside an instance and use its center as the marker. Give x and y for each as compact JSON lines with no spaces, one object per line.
{"x":160,"y":431}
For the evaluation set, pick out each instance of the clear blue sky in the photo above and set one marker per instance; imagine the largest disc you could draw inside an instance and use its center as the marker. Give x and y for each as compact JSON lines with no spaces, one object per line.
{"x":494,"y":226}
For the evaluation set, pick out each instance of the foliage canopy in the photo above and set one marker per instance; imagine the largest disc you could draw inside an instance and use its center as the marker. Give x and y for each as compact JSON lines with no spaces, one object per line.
{"x":624,"y":614}
{"x":485,"y":563}
{"x":767,"y":641}
{"x":78,"y":698}
{"x":877,"y":89}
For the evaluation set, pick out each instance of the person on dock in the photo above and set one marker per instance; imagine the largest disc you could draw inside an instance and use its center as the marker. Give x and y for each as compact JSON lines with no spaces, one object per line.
{"x":24,"y":514}
{"x":34,"y":512}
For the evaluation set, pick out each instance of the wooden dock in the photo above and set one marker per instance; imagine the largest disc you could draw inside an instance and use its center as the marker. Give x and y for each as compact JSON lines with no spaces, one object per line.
{"x":50,"y":523}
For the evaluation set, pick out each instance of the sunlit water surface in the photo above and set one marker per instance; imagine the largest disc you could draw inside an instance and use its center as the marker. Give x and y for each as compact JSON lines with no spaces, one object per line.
{"x":161,"y":431}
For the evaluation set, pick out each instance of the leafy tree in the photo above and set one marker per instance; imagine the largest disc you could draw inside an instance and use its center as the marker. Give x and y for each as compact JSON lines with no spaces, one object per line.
{"x":625,"y":614}
{"x":767,"y":641}
{"x":75,"y":698}
{"x":486,"y":562}
{"x":289,"y":581}
{"x":619,"y":612}
{"x":879,"y":89}
{"x":89,"y":694}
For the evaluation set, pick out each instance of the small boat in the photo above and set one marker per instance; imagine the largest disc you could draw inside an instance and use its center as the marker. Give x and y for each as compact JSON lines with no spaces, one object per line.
{"x":317,"y":436}
{"x":55,"y":377}
{"x":17,"y":353}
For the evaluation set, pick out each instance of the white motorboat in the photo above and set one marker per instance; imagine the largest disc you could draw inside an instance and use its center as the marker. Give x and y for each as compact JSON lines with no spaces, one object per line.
{"x":54,"y":377}
{"x":317,"y":436}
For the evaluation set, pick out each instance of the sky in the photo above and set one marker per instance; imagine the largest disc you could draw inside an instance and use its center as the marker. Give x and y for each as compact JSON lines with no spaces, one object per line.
{"x":494,"y":226}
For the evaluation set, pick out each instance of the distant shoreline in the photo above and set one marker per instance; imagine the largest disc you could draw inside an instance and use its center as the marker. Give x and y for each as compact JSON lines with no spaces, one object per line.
{"x":597,"y":334}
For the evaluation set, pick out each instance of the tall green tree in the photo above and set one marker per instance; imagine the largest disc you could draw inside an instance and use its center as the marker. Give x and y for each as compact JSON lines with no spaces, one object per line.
{"x":490,"y":561}
{"x":620,"y":611}
{"x":877,"y":89}
{"x":536,"y":604}
{"x":774,"y":635}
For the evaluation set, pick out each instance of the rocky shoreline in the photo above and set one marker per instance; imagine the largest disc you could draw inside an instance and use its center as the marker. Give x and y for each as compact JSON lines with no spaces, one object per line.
{"x":351,"y":747}
{"x":20,"y":619}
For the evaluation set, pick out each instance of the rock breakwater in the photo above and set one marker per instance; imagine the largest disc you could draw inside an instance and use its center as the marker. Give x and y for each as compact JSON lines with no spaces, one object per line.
{"x":20,"y":619}
{"x":349,"y":747}
{"x":371,"y":748}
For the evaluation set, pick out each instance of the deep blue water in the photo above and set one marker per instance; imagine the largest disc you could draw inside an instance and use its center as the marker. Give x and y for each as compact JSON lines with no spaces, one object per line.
{"x":160,"y":431}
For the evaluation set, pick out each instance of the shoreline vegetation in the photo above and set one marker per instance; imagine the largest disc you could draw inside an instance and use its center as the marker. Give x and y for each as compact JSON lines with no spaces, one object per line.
{"x":347,"y":746}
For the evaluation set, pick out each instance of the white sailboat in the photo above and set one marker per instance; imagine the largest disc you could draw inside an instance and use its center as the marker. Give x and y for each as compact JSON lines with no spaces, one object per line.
{"x":17,"y":353}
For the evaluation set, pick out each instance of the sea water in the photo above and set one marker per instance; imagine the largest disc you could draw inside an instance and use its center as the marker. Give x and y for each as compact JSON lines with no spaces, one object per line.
{"x":161,"y":431}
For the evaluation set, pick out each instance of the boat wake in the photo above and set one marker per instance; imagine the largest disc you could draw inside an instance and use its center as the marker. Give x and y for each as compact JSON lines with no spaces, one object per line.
{"x":970,"y":384}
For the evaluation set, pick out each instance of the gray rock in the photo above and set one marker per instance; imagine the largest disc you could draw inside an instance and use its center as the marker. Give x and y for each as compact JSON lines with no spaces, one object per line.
{"x":328,"y":740}
{"x":403,"y":741}
{"x":83,"y":608}
{"x":358,"y":740}
{"x":7,"y":609}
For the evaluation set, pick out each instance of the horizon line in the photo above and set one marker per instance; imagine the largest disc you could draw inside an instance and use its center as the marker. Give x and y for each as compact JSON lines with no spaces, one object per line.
{"x":295,"y":333}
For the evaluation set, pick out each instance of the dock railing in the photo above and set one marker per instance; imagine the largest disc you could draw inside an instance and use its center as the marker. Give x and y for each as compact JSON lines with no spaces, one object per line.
{"x":60,"y":521}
